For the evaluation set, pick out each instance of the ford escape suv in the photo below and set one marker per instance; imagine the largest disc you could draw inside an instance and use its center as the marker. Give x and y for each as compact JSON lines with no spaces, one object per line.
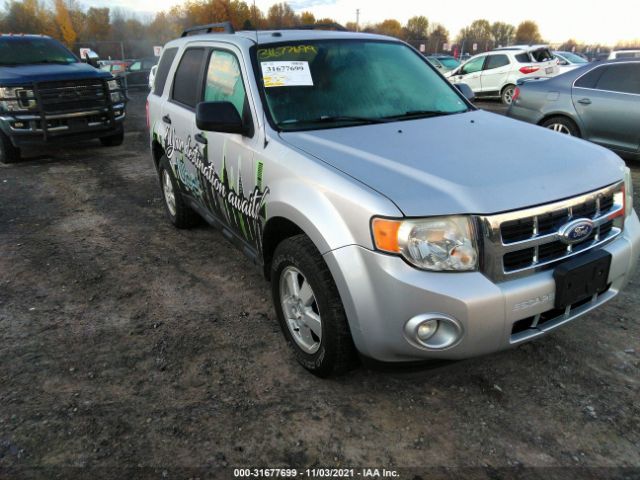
{"x":47,"y":95}
{"x":334,"y":161}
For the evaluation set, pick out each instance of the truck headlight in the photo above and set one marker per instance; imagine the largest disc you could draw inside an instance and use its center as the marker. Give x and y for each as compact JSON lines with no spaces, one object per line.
{"x":113,"y":84}
{"x":628,"y":191}
{"x":17,"y":99}
{"x":436,"y":243}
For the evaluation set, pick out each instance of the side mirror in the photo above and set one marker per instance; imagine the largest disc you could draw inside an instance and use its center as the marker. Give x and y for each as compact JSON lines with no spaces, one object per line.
{"x":466,"y":91}
{"x":219,"y":117}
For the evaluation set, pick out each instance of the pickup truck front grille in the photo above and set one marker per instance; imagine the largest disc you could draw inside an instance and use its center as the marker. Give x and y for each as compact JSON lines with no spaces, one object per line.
{"x":72,"y":95}
{"x":519,"y":243}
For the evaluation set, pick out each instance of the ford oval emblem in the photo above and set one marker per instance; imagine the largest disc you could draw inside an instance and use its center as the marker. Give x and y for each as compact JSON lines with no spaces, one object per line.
{"x":576,"y":231}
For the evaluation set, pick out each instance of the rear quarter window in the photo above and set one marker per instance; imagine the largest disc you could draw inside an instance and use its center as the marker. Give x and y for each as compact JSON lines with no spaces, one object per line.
{"x":188,"y":77}
{"x":590,"y":79}
{"x":163,"y":70}
{"x":523,"y":58}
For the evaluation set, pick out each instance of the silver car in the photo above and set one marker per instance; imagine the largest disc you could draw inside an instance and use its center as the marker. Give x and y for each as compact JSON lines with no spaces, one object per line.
{"x":599,"y":102}
{"x":392,"y":218}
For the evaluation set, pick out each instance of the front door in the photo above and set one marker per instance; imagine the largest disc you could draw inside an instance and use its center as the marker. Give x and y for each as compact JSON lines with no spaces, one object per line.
{"x":234,"y":190}
{"x":470,"y":73}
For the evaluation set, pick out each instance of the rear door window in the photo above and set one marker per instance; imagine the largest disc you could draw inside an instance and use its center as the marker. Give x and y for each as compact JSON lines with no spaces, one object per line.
{"x":623,"y":78}
{"x":187,"y":82}
{"x":496,"y":61}
{"x":163,"y":69}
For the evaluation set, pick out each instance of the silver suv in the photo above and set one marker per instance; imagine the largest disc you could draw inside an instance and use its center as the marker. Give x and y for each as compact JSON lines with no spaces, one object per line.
{"x":391,"y":217}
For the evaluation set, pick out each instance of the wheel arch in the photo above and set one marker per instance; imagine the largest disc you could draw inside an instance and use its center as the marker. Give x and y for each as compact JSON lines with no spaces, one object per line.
{"x":562,"y":114}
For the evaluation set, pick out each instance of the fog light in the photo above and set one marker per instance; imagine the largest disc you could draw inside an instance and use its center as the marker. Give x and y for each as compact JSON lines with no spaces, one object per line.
{"x":427,"y":329}
{"x":433,"y":331}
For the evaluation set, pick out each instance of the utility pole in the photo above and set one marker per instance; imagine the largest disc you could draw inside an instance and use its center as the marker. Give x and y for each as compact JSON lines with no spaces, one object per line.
{"x":357,"y":20}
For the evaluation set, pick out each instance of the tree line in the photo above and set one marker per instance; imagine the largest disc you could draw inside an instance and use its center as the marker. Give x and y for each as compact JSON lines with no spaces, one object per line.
{"x":108,"y":31}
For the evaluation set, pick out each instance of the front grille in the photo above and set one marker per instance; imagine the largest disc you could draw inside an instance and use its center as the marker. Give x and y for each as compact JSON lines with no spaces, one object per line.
{"x":72,"y":95}
{"x":519,"y":243}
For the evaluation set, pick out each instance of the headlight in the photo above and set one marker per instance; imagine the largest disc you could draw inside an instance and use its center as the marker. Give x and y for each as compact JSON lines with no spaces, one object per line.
{"x":628,"y":191}
{"x":17,"y":99}
{"x":437,"y":243}
{"x":113,"y":84}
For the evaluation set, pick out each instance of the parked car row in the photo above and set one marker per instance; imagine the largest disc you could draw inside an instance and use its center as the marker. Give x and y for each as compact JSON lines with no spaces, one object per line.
{"x":599,"y":102}
{"x":495,"y":74}
{"x":135,"y":71}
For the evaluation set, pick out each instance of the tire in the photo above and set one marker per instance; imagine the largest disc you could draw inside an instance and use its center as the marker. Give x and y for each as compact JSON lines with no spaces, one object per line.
{"x":325,"y":348}
{"x":179,"y":213}
{"x":8,"y":152}
{"x":114,"y":140}
{"x":562,"y":125}
{"x":507,"y":94}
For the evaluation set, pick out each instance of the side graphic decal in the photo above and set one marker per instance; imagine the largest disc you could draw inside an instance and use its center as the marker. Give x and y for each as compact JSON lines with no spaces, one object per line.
{"x":217,"y":191}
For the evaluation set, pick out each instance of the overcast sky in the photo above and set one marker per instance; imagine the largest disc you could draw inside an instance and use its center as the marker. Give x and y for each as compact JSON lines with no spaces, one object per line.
{"x":608,"y":23}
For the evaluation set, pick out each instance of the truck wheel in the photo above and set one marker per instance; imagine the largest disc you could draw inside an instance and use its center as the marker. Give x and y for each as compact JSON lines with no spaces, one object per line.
{"x":562,"y":125}
{"x":179,"y":213}
{"x":8,"y":153}
{"x":114,"y":140}
{"x":507,"y":94}
{"x":309,"y":308}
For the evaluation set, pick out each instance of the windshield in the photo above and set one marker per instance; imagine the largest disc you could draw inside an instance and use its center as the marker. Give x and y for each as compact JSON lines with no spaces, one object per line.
{"x":323,"y":84}
{"x":30,"y":50}
{"x":573,"y":58}
{"x":449,"y":62}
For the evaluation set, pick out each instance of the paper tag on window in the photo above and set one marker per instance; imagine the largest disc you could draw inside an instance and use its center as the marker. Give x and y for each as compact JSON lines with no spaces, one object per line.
{"x":286,"y":74}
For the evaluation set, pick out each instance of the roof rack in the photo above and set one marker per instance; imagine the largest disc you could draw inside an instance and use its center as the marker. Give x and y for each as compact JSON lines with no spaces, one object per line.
{"x":316,"y":26}
{"x":226,"y":27}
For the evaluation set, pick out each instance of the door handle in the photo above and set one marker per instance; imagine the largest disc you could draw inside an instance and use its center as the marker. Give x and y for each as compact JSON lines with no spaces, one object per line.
{"x":584,"y":101}
{"x":166,"y":119}
{"x":200,"y":138}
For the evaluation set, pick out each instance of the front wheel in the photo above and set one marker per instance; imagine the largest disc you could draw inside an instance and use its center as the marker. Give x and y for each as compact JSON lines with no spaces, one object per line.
{"x":8,"y":152}
{"x":507,"y":94}
{"x":309,"y":308}
{"x":114,"y":140}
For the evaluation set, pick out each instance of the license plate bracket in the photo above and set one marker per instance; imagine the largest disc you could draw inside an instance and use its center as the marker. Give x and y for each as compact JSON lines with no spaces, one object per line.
{"x":581,"y":278}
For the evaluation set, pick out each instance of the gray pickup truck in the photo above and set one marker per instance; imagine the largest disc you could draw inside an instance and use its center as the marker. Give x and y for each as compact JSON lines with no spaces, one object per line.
{"x":392,"y":218}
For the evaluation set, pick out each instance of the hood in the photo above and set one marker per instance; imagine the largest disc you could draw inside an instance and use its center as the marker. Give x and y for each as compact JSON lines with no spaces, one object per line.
{"x":476,"y":162}
{"x":26,"y":74}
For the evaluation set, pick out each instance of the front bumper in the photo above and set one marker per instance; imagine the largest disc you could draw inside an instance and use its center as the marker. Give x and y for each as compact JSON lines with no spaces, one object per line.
{"x":381,"y":293}
{"x":27,"y":129}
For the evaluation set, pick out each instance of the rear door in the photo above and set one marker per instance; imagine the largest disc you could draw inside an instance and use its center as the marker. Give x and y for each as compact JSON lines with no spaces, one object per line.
{"x":495,"y":73}
{"x":607,"y":100}
{"x":178,"y":120}
{"x":470,"y":73}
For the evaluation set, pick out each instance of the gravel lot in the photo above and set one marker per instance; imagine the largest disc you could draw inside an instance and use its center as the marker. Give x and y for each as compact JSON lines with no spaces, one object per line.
{"x":129,"y":344}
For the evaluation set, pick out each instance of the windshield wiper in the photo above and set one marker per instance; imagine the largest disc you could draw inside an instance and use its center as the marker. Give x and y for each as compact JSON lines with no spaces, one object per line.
{"x":333,"y":119}
{"x":422,"y":114}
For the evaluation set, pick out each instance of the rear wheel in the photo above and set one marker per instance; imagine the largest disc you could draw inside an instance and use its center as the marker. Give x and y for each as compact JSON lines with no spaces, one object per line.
{"x":113,"y":140}
{"x":8,"y":152}
{"x":507,"y":94}
{"x":309,"y":308}
{"x":562,"y":125}
{"x":179,"y":213}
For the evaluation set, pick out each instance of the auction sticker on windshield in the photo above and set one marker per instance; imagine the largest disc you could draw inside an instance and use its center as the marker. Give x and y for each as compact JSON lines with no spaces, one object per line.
{"x":286,"y":74}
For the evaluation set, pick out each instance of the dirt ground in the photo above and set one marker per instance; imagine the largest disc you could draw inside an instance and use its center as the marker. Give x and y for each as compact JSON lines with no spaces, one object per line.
{"x":127,"y":344}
